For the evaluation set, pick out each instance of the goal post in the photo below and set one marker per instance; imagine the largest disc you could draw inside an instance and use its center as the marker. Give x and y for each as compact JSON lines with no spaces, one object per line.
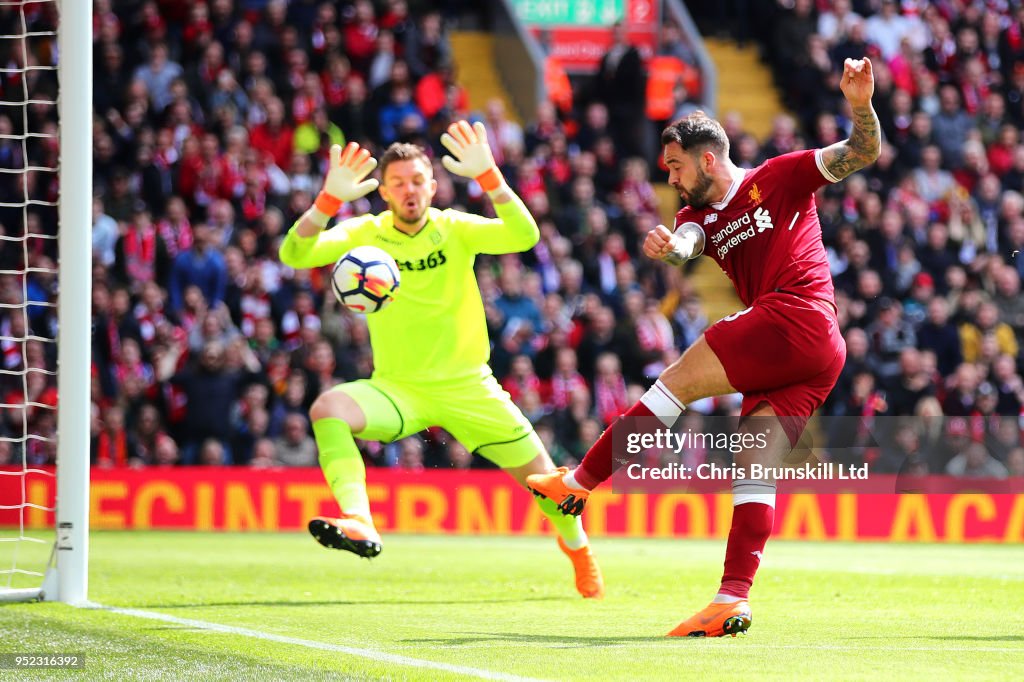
{"x":74,"y":356}
{"x":67,"y":50}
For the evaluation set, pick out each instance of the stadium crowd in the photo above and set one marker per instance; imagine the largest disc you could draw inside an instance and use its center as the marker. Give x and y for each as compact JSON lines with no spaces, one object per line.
{"x":211,"y":129}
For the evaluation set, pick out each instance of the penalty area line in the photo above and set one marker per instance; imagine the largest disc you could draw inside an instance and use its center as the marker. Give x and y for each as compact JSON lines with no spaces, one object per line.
{"x":369,"y":654}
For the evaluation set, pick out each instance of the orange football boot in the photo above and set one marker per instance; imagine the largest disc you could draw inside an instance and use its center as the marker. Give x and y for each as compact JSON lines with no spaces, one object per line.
{"x":569,"y":500}
{"x":350,"y":532}
{"x":716,"y":620}
{"x":589,"y":582}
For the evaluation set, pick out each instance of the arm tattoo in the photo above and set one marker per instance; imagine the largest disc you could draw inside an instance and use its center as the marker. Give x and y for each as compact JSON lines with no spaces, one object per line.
{"x":860,"y":149}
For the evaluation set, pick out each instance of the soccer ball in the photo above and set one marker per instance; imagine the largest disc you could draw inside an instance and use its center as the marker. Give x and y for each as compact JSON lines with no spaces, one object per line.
{"x":365,"y":279}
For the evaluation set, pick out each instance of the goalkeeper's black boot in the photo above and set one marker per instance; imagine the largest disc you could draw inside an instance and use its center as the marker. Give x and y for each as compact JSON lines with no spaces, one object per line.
{"x":350,"y":532}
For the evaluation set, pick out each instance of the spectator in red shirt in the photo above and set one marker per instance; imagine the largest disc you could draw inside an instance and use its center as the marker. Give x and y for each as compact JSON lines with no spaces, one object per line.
{"x":521,"y":378}
{"x":397,"y":20}
{"x":1000,"y":153}
{"x":174,"y":228}
{"x":565,"y":381}
{"x":610,"y":398}
{"x":114,"y":447}
{"x":334,"y":79}
{"x":361,"y":35}
{"x":198,"y":29}
{"x":140,"y":254}
{"x":435,"y":90}
{"x":275,"y":136}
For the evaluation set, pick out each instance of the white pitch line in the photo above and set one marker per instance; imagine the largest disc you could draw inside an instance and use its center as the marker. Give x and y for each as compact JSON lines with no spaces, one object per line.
{"x":378,"y":656}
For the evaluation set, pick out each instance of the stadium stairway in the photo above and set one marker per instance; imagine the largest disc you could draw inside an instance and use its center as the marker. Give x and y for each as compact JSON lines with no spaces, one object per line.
{"x":473,"y":54}
{"x":745,"y":85}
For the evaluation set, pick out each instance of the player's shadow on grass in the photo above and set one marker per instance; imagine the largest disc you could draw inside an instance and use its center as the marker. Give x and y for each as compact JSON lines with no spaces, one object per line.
{"x":342,"y":602}
{"x":563,"y":641}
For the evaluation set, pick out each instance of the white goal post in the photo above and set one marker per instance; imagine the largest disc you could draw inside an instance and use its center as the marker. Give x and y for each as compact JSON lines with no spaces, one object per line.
{"x":74,"y":345}
{"x":66,"y":577}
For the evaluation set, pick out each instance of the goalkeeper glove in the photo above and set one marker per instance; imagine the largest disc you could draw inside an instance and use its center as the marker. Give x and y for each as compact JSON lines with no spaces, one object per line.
{"x":471,"y":155}
{"x":345,"y":179}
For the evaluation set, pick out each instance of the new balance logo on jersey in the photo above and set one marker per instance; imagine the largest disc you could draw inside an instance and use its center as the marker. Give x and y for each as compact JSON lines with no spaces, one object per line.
{"x":710,"y":218}
{"x":763,"y":220}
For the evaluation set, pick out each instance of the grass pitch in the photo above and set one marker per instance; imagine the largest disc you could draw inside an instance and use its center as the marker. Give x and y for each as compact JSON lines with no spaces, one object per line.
{"x":279,"y":606}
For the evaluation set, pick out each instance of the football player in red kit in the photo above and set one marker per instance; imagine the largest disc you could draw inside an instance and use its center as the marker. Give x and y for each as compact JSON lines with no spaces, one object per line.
{"x":783,"y":352}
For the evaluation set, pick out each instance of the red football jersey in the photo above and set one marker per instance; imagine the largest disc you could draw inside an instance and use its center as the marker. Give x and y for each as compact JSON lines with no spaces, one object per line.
{"x":765,"y":233}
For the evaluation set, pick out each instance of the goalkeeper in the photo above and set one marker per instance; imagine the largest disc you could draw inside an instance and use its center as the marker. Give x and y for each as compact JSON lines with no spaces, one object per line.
{"x":430,"y":345}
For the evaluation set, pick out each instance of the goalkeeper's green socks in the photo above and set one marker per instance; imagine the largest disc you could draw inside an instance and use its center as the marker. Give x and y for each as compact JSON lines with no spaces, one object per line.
{"x":569,"y":527}
{"x":342,"y":465}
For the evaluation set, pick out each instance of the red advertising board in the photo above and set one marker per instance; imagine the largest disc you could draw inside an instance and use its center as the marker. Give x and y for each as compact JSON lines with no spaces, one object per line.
{"x":579,"y":50}
{"x":490,"y":502}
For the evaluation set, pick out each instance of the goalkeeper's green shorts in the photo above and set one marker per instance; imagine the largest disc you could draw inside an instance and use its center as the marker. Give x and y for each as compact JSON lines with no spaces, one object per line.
{"x":479,"y":413}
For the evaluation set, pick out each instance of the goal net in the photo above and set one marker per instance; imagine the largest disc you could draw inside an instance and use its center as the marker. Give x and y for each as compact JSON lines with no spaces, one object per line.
{"x":45,"y":259}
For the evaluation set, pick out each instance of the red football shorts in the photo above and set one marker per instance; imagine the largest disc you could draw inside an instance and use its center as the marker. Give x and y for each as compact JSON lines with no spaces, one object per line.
{"x":784,"y":350}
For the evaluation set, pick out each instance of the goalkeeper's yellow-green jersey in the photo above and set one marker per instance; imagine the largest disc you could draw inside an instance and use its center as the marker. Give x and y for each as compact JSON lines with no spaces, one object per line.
{"x":435,"y":329}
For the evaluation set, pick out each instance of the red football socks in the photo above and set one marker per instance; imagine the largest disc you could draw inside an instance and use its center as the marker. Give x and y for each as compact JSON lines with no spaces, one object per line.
{"x":599,"y":463}
{"x":752,"y":519}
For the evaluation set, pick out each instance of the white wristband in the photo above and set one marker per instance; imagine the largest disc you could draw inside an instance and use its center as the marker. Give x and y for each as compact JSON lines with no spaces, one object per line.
{"x":687,"y":242}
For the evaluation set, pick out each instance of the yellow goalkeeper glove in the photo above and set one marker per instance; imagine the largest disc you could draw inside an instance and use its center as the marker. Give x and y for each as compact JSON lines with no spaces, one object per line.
{"x":471,"y":155}
{"x":345,"y":179}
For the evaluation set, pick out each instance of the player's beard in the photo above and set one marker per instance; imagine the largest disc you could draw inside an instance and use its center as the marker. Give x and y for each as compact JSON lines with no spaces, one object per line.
{"x":698,"y":196}
{"x":406,"y":215}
